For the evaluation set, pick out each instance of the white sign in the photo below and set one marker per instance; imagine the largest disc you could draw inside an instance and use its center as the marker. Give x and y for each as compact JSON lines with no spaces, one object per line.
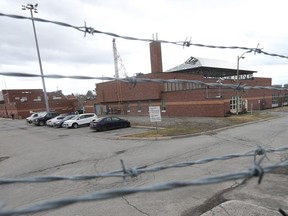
{"x":155,"y":114}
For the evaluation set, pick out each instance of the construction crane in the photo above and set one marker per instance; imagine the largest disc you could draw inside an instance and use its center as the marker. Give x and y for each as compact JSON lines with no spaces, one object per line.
{"x":118,"y":62}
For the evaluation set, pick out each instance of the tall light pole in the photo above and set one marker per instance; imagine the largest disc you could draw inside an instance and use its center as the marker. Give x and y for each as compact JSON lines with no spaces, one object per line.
{"x":237,"y":98}
{"x":34,"y":8}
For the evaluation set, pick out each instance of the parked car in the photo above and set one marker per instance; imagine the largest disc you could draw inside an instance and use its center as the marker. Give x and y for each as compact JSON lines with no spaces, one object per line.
{"x":40,"y":121}
{"x":108,"y":123}
{"x":51,"y":122}
{"x":31,"y":118}
{"x":60,"y":122}
{"x":79,"y":120}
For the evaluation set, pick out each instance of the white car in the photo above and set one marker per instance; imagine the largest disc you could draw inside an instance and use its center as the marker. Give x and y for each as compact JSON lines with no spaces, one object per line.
{"x":51,"y":122}
{"x":79,"y":120}
{"x":31,"y":118}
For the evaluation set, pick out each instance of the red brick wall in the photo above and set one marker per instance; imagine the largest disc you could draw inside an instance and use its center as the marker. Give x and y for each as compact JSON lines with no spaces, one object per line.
{"x":23,"y":109}
{"x":120,"y":91}
{"x":156,"y":57}
{"x":195,"y":102}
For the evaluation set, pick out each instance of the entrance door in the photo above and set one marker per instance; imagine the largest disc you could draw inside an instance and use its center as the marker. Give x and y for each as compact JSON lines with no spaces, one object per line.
{"x":233,"y":104}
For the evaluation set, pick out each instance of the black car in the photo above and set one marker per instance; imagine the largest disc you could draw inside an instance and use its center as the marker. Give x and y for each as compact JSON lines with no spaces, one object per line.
{"x":40,"y":121}
{"x":108,"y":123}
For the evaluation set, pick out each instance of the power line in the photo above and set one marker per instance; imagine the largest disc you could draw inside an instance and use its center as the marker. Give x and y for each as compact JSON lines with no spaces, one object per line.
{"x":92,"y":31}
{"x":135,"y":80}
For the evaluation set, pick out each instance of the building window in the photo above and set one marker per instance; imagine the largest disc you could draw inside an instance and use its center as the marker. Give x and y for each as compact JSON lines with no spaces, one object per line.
{"x":23,"y":99}
{"x":180,"y":86}
{"x":37,"y":99}
{"x":56,"y":97}
{"x":285,"y":99}
{"x":275,"y":100}
{"x":165,"y":87}
{"x":163,"y":106}
{"x":174,"y":87}
{"x":169,"y":86}
{"x":128,"y":107}
{"x":138,"y":106}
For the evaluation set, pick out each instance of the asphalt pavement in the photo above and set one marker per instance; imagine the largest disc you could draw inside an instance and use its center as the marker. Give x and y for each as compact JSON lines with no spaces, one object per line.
{"x":29,"y":150}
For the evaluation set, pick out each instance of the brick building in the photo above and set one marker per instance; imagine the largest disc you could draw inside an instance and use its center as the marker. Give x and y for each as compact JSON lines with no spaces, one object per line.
{"x":188,"y":98}
{"x":25,"y":101}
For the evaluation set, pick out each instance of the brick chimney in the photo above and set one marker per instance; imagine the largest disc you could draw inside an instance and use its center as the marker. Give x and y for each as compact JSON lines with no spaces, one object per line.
{"x":156,"y":57}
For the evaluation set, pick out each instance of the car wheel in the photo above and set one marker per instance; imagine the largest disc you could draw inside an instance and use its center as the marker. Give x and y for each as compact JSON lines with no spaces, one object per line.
{"x":75,"y":125}
{"x":104,"y":128}
{"x":128,"y":125}
{"x":41,"y":123}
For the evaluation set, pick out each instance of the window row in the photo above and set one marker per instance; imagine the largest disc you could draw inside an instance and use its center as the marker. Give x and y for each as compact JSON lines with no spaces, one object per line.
{"x":181,"y":86}
{"x":141,"y":104}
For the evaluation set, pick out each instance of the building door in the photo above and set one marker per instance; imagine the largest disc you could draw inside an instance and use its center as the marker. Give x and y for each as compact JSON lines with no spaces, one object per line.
{"x":233,"y":104}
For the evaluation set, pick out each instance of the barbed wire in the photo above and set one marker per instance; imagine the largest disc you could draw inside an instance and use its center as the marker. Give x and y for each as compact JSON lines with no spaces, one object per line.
{"x":135,"y":171}
{"x":79,"y":28}
{"x":135,"y":80}
{"x":254,"y":171}
{"x":186,"y":43}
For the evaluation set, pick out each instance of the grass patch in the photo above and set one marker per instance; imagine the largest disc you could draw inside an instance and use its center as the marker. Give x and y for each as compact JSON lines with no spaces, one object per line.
{"x":243,"y":118}
{"x":191,"y":127}
{"x":169,"y":131}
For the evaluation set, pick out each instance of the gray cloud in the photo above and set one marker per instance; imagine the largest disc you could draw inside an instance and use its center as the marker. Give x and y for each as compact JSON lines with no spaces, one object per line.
{"x":223,"y":22}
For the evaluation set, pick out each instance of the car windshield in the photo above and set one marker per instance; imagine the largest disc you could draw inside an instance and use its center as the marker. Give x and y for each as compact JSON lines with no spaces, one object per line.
{"x":99,"y":119}
{"x":42,"y":114}
{"x":75,"y":117}
{"x":68,"y":117}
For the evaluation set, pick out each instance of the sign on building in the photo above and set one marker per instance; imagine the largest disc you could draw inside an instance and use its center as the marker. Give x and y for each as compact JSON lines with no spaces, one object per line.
{"x":155,"y":113}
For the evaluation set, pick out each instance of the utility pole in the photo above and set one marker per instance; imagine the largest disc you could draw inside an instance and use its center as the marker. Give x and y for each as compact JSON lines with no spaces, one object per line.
{"x":34,"y":8}
{"x":238,"y":83}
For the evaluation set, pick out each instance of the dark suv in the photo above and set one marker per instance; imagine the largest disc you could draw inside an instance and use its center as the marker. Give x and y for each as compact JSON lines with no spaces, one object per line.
{"x":42,"y":120}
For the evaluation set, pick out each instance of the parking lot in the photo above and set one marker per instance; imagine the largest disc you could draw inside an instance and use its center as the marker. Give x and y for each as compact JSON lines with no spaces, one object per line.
{"x":81,"y":131}
{"x":28,"y":151}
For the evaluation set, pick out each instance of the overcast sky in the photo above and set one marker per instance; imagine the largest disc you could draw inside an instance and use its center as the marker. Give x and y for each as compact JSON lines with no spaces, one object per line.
{"x":65,"y":51}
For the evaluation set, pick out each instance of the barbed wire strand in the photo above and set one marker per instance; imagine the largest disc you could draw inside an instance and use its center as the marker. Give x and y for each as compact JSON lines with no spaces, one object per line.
{"x":283,"y":212}
{"x":135,"y":171}
{"x":92,"y":31}
{"x":109,"y":194}
{"x":135,"y":80}
{"x":256,"y":170}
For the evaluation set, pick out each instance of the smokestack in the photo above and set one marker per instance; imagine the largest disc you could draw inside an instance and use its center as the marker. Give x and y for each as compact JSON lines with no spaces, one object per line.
{"x":156,"y":56}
